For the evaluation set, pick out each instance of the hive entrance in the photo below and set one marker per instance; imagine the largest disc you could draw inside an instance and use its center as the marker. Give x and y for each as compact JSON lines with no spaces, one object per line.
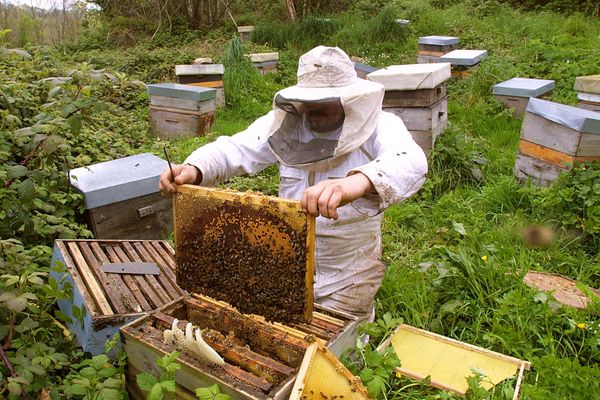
{"x":251,"y":251}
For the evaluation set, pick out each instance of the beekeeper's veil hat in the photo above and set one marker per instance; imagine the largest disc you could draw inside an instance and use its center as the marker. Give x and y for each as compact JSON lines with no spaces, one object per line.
{"x":325,"y":76}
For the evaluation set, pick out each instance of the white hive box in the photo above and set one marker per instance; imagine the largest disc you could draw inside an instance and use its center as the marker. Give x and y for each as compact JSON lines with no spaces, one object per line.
{"x":417,"y":94}
{"x":245,"y":31}
{"x":204,"y":75}
{"x":589,"y":92}
{"x":515,"y":93}
{"x":554,"y":137}
{"x":265,"y":62}
{"x":122,"y":198}
{"x":181,"y":110}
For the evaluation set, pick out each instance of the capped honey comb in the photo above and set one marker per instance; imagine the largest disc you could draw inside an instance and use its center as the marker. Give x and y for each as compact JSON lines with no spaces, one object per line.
{"x":251,"y":251}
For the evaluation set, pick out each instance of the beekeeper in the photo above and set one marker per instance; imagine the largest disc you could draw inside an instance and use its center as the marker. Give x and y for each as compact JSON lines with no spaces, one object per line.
{"x":339,"y":154}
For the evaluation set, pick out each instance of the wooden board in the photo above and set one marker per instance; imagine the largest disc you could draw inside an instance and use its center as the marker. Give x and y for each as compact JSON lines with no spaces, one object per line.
{"x":414,"y":98}
{"x":111,"y":300}
{"x":518,"y":104}
{"x":202,"y":107}
{"x":426,"y":139}
{"x":167,"y":124}
{"x":255,"y":252}
{"x":563,"y":289}
{"x":144,"y":217}
{"x":588,"y":105}
{"x":422,"y":118}
{"x":448,"y":362}
{"x":541,"y":131}
{"x":447,"y":48}
{"x":552,"y":156}
{"x":421,"y":59}
{"x":538,"y":171}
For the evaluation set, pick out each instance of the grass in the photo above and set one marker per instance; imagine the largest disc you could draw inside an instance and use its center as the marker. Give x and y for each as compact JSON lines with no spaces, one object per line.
{"x":454,"y":252}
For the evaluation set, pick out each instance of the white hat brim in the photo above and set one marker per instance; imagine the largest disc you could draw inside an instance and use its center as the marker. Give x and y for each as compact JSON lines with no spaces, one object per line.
{"x":308,"y":94}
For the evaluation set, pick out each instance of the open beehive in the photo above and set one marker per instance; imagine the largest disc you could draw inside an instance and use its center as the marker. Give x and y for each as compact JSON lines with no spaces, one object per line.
{"x":254,"y":252}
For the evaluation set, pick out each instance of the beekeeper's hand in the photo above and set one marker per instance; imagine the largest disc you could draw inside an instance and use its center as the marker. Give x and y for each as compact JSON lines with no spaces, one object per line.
{"x":326,"y":196}
{"x":182,"y":174}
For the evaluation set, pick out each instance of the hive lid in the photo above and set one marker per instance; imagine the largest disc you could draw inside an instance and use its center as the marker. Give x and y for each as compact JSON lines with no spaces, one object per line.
{"x":323,"y":376}
{"x":117,"y":180}
{"x":448,"y":362}
{"x":364,"y":67}
{"x":411,"y":76}
{"x":200,"y":69}
{"x":588,"y":84}
{"x":253,"y":251}
{"x":464,"y":57}
{"x":246,"y":28}
{"x":578,"y":119}
{"x":262,"y":57}
{"x":563,"y":289}
{"x":523,"y":87}
{"x":438,"y":40}
{"x":181,"y":91}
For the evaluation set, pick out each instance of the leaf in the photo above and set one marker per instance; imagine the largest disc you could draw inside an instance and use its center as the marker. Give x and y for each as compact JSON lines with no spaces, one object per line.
{"x":168,"y":386}
{"x":376,"y":386}
{"x":26,"y":190}
{"x":16,"y":171}
{"x":77,"y":389}
{"x":23,"y":132}
{"x":88,"y":372}
{"x":208,"y":393}
{"x":52,"y":143}
{"x":540,"y":297}
{"x":99,"y":361}
{"x":146,"y":381}
{"x":7,"y":295}
{"x":75,"y":123}
{"x":14,"y":388}
{"x":54,"y":91}
{"x":156,"y":393}
{"x":460,"y":228}
{"x":366,"y":375}
{"x":16,"y":304}
{"x":113,"y":383}
{"x":109,"y":394}
{"x":107,"y":372}
{"x":37,"y":369}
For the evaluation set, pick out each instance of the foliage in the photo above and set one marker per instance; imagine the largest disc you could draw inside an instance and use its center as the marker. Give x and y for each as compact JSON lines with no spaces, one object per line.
{"x":160,"y":388}
{"x":211,"y":393}
{"x":575,"y":201}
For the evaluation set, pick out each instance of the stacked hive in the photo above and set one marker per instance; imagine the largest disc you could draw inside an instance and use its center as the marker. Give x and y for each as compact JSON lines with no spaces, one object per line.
{"x":417,"y":94}
{"x":589,"y":92}
{"x":431,"y":48}
{"x":265,"y":62}
{"x":554,"y":137}
{"x":181,"y":110}
{"x":204,"y":75}
{"x":515,"y":93}
{"x":463,"y":61}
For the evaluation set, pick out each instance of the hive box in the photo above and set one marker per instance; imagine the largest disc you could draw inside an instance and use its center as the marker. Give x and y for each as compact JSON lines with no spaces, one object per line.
{"x":181,"y":110}
{"x":431,"y":48}
{"x":228,"y":244}
{"x":265,"y":62}
{"x":245,"y":32}
{"x":463,"y":61}
{"x":204,"y":75}
{"x":105,"y":300}
{"x":554,"y":137}
{"x":122,"y":199}
{"x":589,"y":92}
{"x":417,"y":94}
{"x":515,"y":93}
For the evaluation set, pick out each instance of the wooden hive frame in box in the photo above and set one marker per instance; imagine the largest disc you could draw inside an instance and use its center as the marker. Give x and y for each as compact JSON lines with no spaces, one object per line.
{"x":110,"y":300}
{"x":261,"y":358}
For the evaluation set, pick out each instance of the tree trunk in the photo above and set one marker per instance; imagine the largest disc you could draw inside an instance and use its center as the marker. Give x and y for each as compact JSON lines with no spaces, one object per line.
{"x":291,"y":9}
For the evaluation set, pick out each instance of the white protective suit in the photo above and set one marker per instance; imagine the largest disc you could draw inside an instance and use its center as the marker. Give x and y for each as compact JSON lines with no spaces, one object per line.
{"x":348,"y":266}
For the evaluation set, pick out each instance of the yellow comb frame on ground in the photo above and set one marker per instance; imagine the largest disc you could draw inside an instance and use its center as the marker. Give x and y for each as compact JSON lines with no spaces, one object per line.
{"x":449,"y":362}
{"x":323,"y":377}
